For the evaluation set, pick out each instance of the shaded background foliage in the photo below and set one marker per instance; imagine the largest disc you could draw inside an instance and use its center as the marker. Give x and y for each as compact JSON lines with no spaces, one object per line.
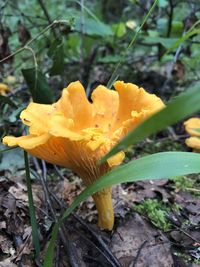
{"x":91,"y":41}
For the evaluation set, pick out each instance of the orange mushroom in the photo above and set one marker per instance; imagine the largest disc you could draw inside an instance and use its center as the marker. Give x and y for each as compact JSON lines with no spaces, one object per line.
{"x":4,"y":89}
{"x":192,"y":126}
{"x":75,"y":133}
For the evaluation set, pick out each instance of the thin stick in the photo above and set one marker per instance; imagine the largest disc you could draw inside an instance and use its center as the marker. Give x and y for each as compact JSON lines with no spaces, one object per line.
{"x":35,"y":38}
{"x":106,"y":253}
{"x":47,"y":16}
{"x":73,"y":258}
{"x":138,"y":254}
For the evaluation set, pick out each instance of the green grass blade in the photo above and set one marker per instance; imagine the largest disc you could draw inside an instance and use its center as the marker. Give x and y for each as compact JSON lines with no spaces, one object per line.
{"x":156,"y":166}
{"x":35,"y":235}
{"x":115,"y":72}
{"x":180,"y":107}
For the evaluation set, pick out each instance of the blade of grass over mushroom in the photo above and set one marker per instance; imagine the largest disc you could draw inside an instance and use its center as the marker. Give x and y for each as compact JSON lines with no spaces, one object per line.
{"x":38,"y":86}
{"x":178,"y":108}
{"x":145,"y":168}
{"x":34,"y":226}
{"x":115,"y":73}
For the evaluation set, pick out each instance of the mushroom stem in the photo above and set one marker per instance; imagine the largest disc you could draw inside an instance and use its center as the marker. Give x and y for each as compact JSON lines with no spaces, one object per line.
{"x":103,"y":202}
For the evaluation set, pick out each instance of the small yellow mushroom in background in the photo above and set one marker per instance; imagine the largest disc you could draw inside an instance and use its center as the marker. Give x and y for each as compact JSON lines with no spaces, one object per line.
{"x":10,"y":80}
{"x":192,"y":127}
{"x":131,"y":24}
{"x":4,"y":89}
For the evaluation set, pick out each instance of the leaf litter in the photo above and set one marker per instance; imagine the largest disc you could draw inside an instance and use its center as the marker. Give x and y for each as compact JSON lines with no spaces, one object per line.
{"x":135,"y":240}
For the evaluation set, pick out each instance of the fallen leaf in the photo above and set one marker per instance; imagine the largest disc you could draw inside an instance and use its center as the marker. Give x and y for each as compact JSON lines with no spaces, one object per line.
{"x":137,"y":235}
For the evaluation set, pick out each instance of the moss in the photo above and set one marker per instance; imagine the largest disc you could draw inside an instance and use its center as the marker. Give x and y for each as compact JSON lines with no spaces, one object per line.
{"x":183,"y":183}
{"x":156,"y":211}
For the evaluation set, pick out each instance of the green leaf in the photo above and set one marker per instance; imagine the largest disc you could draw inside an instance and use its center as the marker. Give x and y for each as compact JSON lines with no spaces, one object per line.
{"x":93,"y":27}
{"x":180,"y":107}
{"x":166,"y":42}
{"x":163,"y":3}
{"x":56,"y":53}
{"x":38,"y":86}
{"x":156,"y":166}
{"x":109,"y":59}
{"x":119,"y":29}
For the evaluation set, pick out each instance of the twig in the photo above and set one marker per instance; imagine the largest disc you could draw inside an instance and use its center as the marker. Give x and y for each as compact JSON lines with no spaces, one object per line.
{"x":33,"y":39}
{"x":59,"y":172}
{"x":99,"y":239}
{"x":22,"y":245}
{"x":17,"y":90}
{"x":138,"y":254}
{"x":171,"y":12}
{"x":172,"y":133}
{"x":93,"y":233}
{"x":113,"y":264}
{"x":47,"y":16}
{"x":71,"y":252}
{"x":44,"y":168}
{"x":73,"y":258}
{"x":37,"y":166}
{"x":188,"y":235}
{"x":95,"y":260}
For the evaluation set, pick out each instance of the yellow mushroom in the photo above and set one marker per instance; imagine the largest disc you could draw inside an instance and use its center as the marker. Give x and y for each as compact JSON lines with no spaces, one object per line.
{"x":4,"y":89}
{"x":75,"y":133}
{"x":192,"y":126}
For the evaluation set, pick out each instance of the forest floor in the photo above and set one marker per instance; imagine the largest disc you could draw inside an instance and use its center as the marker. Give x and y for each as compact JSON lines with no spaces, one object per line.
{"x":157,"y":222}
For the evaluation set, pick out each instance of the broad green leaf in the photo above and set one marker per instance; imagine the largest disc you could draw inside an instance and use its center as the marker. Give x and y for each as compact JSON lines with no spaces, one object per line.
{"x":93,"y":27}
{"x":38,"y":86}
{"x":156,"y":166}
{"x":180,"y":107}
